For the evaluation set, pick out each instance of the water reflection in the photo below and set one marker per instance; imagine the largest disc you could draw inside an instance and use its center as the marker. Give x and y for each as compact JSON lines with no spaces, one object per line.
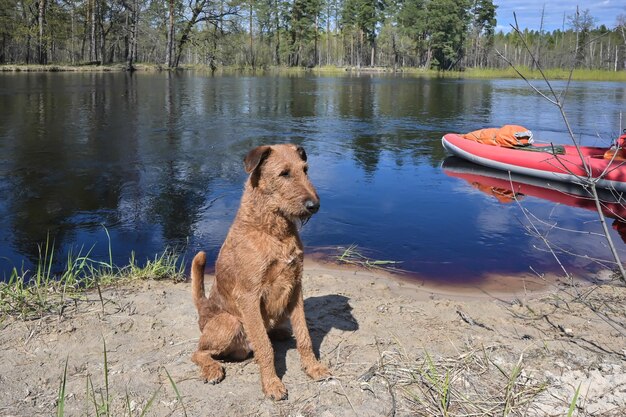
{"x":54,"y":186}
{"x":509,"y":188}
{"x":179,"y":190}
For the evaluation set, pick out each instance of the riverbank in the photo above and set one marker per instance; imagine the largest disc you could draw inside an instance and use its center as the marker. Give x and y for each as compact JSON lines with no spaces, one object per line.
{"x":394,"y":347}
{"x":76,"y":68}
{"x":486,"y":73}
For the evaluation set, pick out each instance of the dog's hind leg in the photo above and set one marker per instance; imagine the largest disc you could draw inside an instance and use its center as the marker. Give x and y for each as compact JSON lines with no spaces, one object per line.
{"x":222,"y":336}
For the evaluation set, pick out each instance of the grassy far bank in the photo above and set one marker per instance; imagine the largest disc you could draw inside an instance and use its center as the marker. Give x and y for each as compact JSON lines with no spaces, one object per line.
{"x":551,"y":74}
{"x":486,"y":73}
{"x":75,"y":68}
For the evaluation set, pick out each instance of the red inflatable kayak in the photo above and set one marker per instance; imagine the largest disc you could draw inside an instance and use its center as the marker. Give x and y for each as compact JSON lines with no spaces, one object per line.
{"x":552,"y":162}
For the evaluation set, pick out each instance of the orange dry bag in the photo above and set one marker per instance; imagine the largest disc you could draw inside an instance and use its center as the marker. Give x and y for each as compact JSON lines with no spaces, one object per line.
{"x":507,"y":136}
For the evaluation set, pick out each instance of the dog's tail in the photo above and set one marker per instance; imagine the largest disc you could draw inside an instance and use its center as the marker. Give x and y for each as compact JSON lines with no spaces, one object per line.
{"x":197,"y":278}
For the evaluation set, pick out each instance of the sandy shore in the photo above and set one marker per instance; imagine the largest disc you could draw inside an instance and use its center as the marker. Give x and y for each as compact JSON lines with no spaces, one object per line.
{"x":395,"y":348}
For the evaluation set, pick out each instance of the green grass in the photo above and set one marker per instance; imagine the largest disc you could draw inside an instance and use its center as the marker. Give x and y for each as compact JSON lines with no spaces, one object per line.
{"x":34,"y":294}
{"x":512,"y":380}
{"x":486,"y":73}
{"x":439,"y":382}
{"x":178,"y":396}
{"x":100,"y":398}
{"x":572,"y":404}
{"x":102,"y":406}
{"x":61,"y":396}
{"x":551,"y":74}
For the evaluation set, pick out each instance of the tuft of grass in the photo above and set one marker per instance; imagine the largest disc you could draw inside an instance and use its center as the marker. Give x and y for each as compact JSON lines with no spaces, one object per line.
{"x":31,"y":295}
{"x":167,"y":265}
{"x":352,"y":256}
{"x":61,"y":396}
{"x":512,"y":378}
{"x":149,"y":403}
{"x":102,"y":407}
{"x":572,"y":404}
{"x":439,"y":383}
{"x":178,"y":396}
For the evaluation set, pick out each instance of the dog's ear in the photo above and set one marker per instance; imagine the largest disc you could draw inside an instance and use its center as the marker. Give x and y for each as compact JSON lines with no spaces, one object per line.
{"x":301,"y":152}
{"x":253,"y":160}
{"x":255,"y":157}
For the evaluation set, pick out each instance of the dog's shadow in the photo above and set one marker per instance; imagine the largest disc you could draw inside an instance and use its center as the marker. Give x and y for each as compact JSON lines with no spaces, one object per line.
{"x":323,"y":314}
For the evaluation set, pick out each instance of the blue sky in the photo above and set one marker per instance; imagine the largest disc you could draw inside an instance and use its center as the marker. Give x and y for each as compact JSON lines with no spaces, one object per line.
{"x":529,"y":13}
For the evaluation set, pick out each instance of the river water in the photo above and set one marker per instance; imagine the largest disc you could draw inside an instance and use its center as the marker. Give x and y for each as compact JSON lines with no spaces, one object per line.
{"x":155,"y":161}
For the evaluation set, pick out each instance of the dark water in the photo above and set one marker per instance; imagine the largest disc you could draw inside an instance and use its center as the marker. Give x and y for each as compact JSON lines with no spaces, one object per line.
{"x":156,"y":159}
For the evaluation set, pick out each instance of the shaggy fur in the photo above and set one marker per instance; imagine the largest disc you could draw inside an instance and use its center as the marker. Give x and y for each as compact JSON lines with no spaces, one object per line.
{"x":258,"y":274}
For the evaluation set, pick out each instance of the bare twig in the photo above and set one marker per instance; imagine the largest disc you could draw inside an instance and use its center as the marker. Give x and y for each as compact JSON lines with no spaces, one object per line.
{"x":469,"y":320}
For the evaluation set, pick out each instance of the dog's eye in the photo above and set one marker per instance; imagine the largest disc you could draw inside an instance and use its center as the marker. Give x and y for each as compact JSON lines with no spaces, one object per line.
{"x":285,"y":173}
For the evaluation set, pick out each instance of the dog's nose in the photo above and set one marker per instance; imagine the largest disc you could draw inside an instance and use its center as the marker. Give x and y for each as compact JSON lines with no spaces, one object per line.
{"x":312,"y":206}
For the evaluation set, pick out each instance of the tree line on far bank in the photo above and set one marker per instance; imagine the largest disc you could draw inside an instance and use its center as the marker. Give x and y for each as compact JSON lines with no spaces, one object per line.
{"x":431,"y":34}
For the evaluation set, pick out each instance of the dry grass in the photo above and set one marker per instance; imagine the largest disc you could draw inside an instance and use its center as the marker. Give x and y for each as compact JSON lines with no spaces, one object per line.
{"x":474,"y":383}
{"x":498,"y":379}
{"x":352,"y":255}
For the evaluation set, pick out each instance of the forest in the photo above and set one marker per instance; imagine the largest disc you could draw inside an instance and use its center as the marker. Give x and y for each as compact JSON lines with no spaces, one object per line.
{"x":429,"y":34}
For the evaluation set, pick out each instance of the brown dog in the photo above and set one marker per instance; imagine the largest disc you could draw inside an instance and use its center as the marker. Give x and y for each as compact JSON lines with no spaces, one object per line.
{"x":258,"y":274}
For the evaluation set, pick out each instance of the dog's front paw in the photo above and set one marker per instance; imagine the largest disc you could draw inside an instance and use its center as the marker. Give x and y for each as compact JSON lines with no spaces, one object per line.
{"x":317,"y":371}
{"x":275,"y":389}
{"x":213,"y":373}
